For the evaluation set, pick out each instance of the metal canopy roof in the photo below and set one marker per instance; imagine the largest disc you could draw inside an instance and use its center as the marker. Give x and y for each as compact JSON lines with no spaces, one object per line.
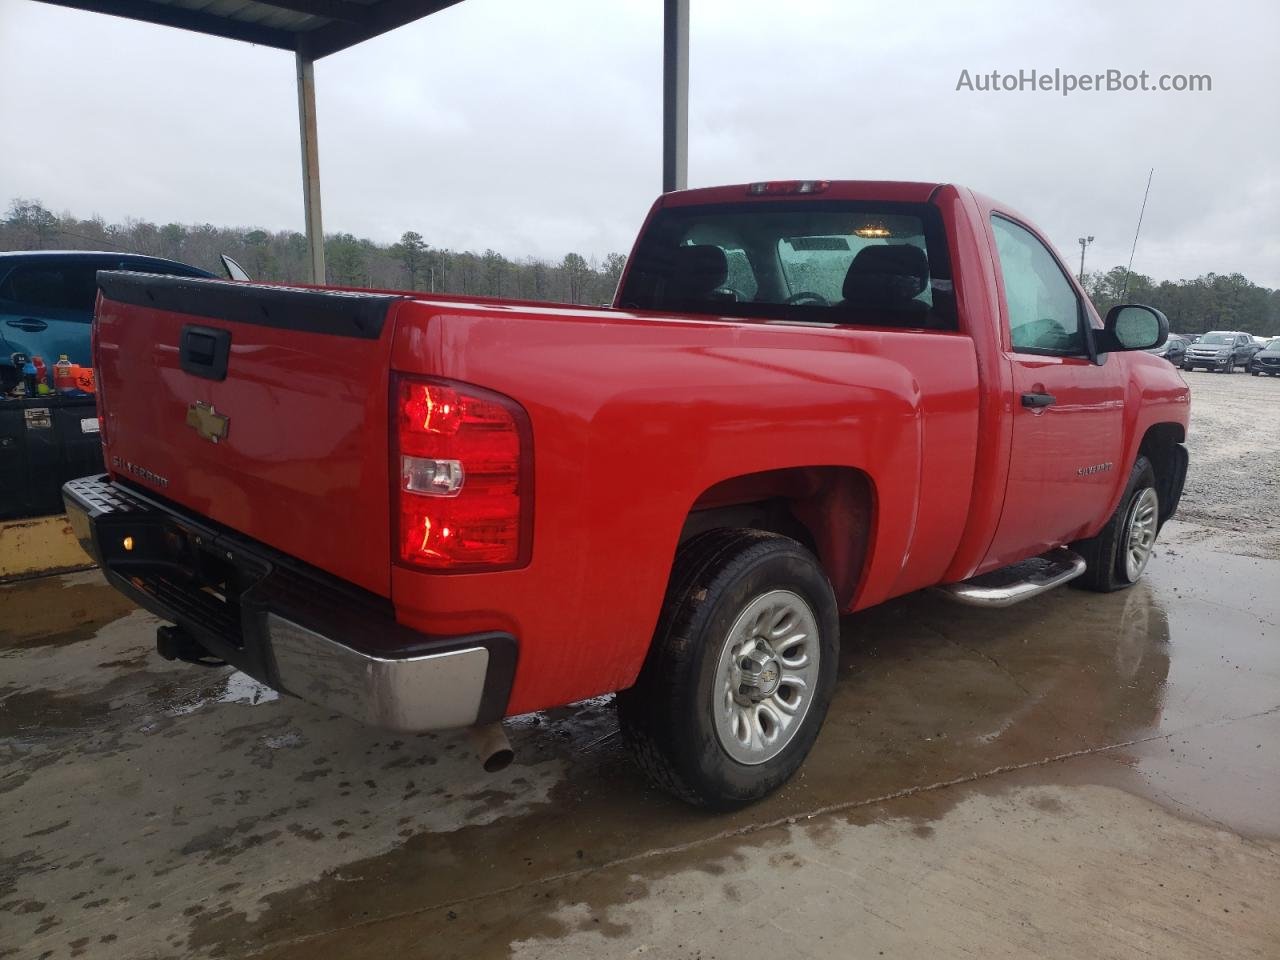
{"x":312,"y":28}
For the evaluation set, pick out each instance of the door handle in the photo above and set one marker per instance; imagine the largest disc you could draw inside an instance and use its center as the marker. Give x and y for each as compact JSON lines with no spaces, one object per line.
{"x":29,"y":324}
{"x":1036,"y":400}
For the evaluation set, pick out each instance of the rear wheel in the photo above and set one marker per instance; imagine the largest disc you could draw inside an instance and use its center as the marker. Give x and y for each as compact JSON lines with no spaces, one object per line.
{"x":1118,"y":555}
{"x":741,"y":671}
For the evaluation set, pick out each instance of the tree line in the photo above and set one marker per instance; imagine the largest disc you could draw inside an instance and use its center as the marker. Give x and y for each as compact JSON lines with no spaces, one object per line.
{"x":412,"y":263}
{"x":1210,"y":302}
{"x":1214,"y":301}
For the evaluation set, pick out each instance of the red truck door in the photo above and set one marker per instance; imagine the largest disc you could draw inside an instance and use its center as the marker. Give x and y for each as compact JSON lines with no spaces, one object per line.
{"x":1068,"y":430}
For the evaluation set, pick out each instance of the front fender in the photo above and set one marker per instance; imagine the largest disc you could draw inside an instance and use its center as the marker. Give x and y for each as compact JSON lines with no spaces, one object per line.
{"x":1155,"y":393}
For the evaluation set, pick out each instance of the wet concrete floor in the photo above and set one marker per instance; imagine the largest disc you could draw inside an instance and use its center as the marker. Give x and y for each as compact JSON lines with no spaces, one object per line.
{"x":1079,"y":776}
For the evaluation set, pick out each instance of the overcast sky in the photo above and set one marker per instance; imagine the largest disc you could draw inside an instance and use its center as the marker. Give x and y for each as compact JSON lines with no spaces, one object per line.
{"x":534,"y":127}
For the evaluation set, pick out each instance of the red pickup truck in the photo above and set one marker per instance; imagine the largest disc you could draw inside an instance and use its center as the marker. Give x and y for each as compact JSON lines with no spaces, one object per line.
{"x":809,"y":397}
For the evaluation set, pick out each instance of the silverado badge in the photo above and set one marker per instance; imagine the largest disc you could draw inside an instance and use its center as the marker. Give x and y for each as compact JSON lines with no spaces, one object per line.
{"x":207,"y":421}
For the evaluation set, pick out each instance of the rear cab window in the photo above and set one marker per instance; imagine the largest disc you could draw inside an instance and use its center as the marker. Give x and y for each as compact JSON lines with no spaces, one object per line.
{"x":826,"y":261}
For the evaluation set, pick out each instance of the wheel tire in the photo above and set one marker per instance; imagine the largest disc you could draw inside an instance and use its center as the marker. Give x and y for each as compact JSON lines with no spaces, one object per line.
{"x":1229,"y":368}
{"x":668,"y":717}
{"x":1105,"y":554}
{"x":1253,"y":373}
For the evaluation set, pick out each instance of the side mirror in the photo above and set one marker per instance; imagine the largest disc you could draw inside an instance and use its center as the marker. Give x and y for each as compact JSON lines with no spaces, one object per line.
{"x":1131,"y":326}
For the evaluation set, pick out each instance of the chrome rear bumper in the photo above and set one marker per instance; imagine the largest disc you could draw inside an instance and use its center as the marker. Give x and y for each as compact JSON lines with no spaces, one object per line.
{"x":285,"y":623}
{"x":433,"y":691}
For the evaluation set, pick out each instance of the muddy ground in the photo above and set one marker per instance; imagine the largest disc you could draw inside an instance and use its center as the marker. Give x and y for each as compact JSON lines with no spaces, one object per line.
{"x":1080,"y":776}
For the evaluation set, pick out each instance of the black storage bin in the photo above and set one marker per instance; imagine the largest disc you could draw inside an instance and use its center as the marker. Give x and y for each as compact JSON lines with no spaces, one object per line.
{"x":44,"y":442}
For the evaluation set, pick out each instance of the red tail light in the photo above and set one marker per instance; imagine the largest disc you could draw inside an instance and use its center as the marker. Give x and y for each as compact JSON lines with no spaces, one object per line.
{"x":463,"y":477}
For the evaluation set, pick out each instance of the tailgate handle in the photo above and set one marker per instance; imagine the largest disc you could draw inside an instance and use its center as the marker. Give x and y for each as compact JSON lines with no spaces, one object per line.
{"x":203,"y":351}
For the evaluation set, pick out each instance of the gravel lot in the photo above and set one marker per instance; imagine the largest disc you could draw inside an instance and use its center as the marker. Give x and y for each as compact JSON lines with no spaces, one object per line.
{"x":1234,"y":482}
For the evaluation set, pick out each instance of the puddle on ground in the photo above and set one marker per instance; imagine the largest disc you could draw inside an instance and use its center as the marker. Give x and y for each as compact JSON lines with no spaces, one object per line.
{"x":1027,"y":871}
{"x":52,"y":611}
{"x":239,"y":688}
{"x":323,"y":824}
{"x":929,"y":694}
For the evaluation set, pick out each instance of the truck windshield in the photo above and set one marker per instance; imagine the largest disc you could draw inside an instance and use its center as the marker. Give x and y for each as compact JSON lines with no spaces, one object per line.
{"x":841,"y":262}
{"x":1217,"y":338}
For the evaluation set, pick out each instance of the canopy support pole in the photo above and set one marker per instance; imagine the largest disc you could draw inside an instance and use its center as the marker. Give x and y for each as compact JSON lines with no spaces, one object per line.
{"x":310,"y":165}
{"x":675,"y":95}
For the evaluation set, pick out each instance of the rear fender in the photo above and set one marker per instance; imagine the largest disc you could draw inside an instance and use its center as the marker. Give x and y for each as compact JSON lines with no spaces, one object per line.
{"x":635,"y":418}
{"x":831,"y":510}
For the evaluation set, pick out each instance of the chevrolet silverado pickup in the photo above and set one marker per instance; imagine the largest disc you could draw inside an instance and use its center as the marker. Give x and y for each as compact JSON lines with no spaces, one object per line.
{"x":434,"y":511}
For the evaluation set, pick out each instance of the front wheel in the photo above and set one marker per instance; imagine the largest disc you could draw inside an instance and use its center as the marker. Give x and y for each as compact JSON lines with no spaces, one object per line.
{"x":741,"y":670}
{"x":1118,"y":555}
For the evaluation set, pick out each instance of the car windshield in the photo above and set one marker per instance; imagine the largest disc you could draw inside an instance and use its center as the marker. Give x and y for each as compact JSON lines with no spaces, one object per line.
{"x":1218,"y":339}
{"x":843,"y":262}
{"x":1272,"y":346}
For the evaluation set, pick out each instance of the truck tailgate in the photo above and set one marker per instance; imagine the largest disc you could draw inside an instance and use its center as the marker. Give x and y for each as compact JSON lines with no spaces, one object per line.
{"x":262,"y":408}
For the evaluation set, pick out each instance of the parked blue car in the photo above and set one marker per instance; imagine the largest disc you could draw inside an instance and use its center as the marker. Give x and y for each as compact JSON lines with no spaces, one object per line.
{"x":46,"y":301}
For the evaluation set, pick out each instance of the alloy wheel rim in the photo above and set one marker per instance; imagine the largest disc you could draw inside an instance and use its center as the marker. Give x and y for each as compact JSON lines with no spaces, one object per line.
{"x":1140,"y":538}
{"x":766,"y":675}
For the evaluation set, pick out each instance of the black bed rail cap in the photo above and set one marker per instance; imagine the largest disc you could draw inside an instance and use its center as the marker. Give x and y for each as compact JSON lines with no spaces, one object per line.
{"x":340,"y":313}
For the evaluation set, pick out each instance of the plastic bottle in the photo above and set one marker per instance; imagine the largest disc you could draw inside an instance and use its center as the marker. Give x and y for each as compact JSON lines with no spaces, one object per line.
{"x":42,"y":371}
{"x":18,"y":360}
{"x":63,"y":380}
{"x":29,"y":378}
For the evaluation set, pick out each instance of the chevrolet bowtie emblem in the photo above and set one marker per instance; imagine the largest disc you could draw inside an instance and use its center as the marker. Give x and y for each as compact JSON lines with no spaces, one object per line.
{"x":208,"y":422}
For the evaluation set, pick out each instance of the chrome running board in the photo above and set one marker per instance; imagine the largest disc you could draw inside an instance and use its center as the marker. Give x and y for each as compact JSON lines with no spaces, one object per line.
{"x":1021,"y":581}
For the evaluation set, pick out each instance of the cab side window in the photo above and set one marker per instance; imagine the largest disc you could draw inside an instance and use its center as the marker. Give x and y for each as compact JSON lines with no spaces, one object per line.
{"x":37,"y":288}
{"x":1044,"y":312}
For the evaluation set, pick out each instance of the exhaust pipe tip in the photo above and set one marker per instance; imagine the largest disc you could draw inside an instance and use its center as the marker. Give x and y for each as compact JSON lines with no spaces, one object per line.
{"x":498,"y":760}
{"x":490,"y":743}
